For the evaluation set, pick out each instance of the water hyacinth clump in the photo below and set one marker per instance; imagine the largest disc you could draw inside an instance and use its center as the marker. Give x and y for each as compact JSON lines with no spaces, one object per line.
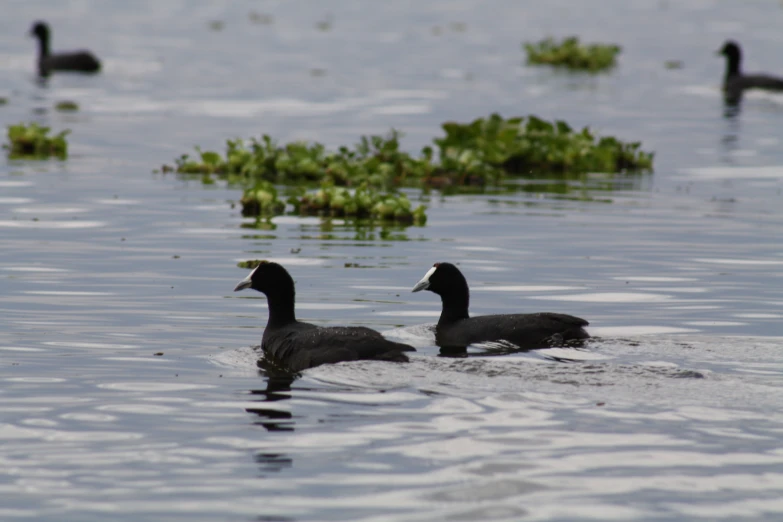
{"x":472,"y":153}
{"x":363,"y":181}
{"x":525,"y":146}
{"x":361,"y":202}
{"x":375,"y":160}
{"x":31,"y":141}
{"x":570,"y":54}
{"x":261,"y":200}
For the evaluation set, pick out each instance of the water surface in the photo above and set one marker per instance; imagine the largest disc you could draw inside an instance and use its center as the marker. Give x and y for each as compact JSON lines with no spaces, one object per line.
{"x":129,"y":387}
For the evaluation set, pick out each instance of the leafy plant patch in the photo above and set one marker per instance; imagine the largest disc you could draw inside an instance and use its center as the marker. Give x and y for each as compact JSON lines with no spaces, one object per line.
{"x":31,"y":141}
{"x":571,"y":54}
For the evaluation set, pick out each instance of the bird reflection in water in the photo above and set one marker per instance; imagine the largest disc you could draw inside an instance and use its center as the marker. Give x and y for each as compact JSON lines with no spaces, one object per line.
{"x":278,"y":388}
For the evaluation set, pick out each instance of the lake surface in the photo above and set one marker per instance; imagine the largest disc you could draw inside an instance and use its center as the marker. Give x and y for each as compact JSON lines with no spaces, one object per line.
{"x":129,"y":385}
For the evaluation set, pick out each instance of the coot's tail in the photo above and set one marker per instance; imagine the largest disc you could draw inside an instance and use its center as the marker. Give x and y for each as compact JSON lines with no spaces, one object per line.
{"x":395,"y":352}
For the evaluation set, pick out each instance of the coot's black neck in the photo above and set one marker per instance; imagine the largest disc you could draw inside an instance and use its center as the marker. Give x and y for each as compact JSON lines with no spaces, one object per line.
{"x":455,"y":305}
{"x":43,"y":45}
{"x":281,"y":308}
{"x":732,"y":66}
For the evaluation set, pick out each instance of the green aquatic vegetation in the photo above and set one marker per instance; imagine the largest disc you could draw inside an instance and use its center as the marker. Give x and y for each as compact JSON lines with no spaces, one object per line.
{"x":571,"y":54}
{"x":375,"y":160}
{"x":494,"y":146}
{"x":469,"y":155}
{"x":362,"y":202}
{"x":362,"y":181}
{"x":261,"y":200}
{"x":3,"y":100}
{"x":31,"y":141}
{"x":66,"y":106}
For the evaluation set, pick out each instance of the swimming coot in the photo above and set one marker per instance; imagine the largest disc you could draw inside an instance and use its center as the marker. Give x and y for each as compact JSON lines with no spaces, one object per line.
{"x":79,"y":61}
{"x":298,"y":346}
{"x":735,"y":83}
{"x":457,"y":329}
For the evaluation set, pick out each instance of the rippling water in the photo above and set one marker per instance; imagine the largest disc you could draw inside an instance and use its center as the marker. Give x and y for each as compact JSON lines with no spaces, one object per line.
{"x":129,"y":386}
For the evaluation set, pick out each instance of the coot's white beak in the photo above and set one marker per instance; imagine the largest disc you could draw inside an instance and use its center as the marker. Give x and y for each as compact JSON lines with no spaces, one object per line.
{"x":245,"y":283}
{"x":424,"y":284}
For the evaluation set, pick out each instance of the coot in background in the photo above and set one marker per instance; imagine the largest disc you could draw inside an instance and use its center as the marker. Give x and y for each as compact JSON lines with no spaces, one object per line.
{"x":299,"y":346}
{"x":735,"y":83}
{"x":48,"y":62}
{"x":456,"y":329}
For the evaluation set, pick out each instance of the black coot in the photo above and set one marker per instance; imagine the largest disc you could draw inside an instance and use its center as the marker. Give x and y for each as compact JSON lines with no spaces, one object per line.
{"x":735,"y":83}
{"x":48,"y":62}
{"x":456,"y":329}
{"x":298,"y":346}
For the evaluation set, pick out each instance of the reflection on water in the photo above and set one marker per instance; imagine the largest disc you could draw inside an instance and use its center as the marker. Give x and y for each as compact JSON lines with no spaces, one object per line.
{"x":278,"y":388}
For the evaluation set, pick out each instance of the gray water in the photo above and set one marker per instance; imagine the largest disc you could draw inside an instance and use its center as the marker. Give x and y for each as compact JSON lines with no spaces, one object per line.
{"x":129,"y":386}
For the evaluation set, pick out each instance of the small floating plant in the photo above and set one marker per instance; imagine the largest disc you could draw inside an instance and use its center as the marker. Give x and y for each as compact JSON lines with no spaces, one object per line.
{"x":31,"y":141}
{"x":571,"y":54}
{"x":67,"y":106}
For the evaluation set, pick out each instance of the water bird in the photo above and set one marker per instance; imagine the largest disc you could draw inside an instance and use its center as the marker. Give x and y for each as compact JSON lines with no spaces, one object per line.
{"x":456,"y":329}
{"x":48,"y":62}
{"x":297,"y":345}
{"x":735,"y":83}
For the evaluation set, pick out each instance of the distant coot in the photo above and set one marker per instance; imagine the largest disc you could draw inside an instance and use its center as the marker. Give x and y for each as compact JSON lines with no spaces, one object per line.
{"x":48,"y":62}
{"x":735,"y":83}
{"x":456,"y":329}
{"x":298,"y":346}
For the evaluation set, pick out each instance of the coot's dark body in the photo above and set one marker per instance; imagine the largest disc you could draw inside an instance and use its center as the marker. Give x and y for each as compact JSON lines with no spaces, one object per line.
{"x":297,"y":345}
{"x":48,"y":62}
{"x":456,"y":328}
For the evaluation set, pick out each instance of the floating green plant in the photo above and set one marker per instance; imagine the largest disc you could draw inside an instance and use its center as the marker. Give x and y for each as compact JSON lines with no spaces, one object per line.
{"x":469,"y":154}
{"x":495,"y":146}
{"x":569,"y":53}
{"x":31,"y":141}
{"x":375,"y":160}
{"x":363,"y":181}
{"x":362,"y":202}
{"x":261,"y":200}
{"x":67,"y":106}
{"x":3,"y":100}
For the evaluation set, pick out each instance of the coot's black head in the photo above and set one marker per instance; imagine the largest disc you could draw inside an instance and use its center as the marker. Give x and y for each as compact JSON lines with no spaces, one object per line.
{"x":731,"y":50}
{"x":448,"y":282}
{"x":443,"y":279}
{"x":269,"y":278}
{"x":40,"y":30}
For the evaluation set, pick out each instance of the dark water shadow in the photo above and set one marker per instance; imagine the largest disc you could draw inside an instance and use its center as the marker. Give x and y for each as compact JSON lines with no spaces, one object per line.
{"x":506,"y":348}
